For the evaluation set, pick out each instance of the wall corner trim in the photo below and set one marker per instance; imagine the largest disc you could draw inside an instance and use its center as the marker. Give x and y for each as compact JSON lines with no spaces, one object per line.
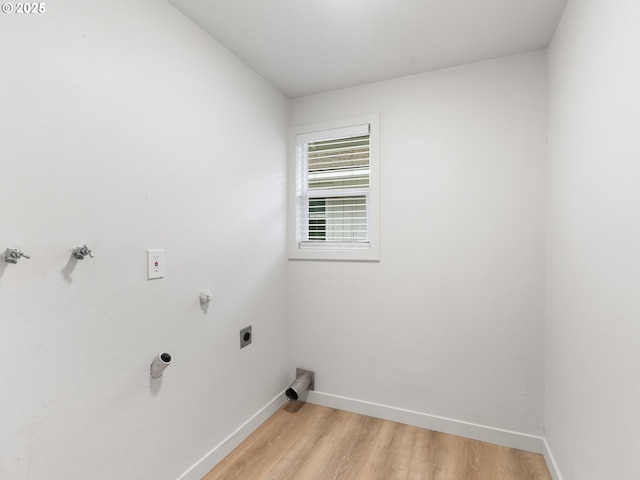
{"x":483,"y":433}
{"x":224,"y":448}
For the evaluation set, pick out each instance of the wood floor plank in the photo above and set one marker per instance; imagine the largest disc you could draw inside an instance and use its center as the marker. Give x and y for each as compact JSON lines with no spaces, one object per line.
{"x":397,"y":456}
{"x":273,"y":438}
{"x":316,"y":462}
{"x":379,"y":452}
{"x":425,"y":463}
{"x":310,"y":448}
{"x":344,"y":451}
{"x":308,"y":442}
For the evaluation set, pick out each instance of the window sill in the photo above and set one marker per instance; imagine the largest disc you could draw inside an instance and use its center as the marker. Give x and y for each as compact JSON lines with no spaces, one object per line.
{"x":314,"y":251}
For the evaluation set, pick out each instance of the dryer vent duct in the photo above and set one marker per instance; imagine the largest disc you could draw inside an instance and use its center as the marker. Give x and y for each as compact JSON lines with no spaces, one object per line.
{"x":303,"y":382}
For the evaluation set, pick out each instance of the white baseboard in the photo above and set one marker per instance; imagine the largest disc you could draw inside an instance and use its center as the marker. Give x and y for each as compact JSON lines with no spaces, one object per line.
{"x":483,"y":433}
{"x":215,"y":456}
{"x":551,"y":462}
{"x":507,"y":438}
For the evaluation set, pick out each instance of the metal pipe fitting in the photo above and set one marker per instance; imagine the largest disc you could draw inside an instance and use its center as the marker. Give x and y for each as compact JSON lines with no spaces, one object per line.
{"x":162,"y":361}
{"x":81,"y":252}
{"x":11,"y":255}
{"x":303,"y":382}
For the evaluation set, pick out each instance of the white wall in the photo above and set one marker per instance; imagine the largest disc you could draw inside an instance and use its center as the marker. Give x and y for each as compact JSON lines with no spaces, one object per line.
{"x":125,"y":127}
{"x":450,"y":322}
{"x":593,"y":306}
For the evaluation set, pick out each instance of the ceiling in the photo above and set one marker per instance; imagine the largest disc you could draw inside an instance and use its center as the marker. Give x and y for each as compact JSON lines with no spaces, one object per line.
{"x":304,"y":47}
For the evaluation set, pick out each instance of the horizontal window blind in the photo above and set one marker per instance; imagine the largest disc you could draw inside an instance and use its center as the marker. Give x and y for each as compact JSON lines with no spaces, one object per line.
{"x":333,"y":187}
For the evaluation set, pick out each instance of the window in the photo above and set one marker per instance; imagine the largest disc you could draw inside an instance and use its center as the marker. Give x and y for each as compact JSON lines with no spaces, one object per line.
{"x":334,"y":190}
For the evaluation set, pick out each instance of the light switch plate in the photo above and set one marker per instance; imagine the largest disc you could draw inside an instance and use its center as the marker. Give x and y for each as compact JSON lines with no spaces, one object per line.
{"x":155,"y":263}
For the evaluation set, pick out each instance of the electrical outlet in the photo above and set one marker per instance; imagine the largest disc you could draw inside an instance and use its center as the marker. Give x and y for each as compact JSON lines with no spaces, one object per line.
{"x":245,"y":336}
{"x":155,"y":264}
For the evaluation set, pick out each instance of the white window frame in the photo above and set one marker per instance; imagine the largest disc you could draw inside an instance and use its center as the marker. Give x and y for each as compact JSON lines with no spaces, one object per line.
{"x":331,"y":251}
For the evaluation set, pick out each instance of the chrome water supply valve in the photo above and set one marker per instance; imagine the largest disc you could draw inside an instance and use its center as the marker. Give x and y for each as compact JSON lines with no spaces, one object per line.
{"x":11,"y":255}
{"x":81,"y":252}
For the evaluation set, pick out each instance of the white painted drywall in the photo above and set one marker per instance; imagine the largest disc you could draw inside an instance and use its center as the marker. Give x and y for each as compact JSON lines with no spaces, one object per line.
{"x":450,"y":321}
{"x":124,"y":126}
{"x":593,"y":294}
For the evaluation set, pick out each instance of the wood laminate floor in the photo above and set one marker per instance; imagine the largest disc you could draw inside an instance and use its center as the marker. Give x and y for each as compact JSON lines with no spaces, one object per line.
{"x":303,"y":441}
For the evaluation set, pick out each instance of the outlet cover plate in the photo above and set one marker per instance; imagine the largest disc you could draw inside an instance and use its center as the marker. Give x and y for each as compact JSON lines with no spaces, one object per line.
{"x":245,"y":336}
{"x":155,"y":263}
